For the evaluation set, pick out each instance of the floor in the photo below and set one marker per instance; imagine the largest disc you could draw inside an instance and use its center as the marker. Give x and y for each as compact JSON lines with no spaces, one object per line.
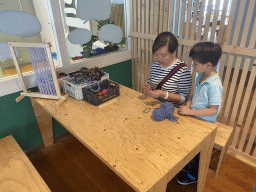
{"x":68,"y":166}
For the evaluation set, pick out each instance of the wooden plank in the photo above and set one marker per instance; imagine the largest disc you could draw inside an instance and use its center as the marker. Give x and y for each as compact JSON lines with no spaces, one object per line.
{"x":214,"y":20}
{"x":146,"y":75}
{"x":201,"y":19}
{"x":132,"y":41}
{"x":222,"y":22}
{"x":143,"y":52}
{"x":22,"y":82}
{"x":177,"y":12}
{"x":139,"y":47}
{"x":151,"y":17}
{"x":247,"y":94}
{"x":247,"y":124}
{"x":161,"y":16}
{"x":227,"y":36}
{"x":194,"y":20}
{"x":44,"y":120}
{"x":20,"y":44}
{"x":156,"y":15}
{"x":181,"y":32}
{"x":187,"y":30}
{"x":226,"y":110}
{"x":242,"y":156}
{"x":189,"y":42}
{"x":251,"y":140}
{"x":207,"y":21}
{"x":246,"y":64}
{"x":17,"y":173}
{"x":166,"y":15}
{"x":171,"y":18}
{"x":223,"y":59}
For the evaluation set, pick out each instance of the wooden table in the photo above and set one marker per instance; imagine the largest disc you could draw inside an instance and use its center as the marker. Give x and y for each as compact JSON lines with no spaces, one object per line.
{"x":145,"y":153}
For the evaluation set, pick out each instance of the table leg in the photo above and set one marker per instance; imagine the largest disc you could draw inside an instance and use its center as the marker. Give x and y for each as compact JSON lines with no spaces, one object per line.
{"x":44,"y":120}
{"x":205,"y":156}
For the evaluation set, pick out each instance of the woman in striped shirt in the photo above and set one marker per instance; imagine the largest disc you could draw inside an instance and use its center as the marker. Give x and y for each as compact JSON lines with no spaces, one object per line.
{"x":177,"y":86}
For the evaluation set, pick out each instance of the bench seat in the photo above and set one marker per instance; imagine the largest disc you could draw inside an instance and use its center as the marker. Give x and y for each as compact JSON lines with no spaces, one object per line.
{"x":17,"y":173}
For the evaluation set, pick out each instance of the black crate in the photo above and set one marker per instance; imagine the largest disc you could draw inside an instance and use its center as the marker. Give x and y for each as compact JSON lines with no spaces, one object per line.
{"x":96,"y":99}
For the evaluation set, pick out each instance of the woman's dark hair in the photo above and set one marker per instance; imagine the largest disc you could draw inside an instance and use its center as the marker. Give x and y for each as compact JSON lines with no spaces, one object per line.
{"x":205,"y":52}
{"x":163,"y":39}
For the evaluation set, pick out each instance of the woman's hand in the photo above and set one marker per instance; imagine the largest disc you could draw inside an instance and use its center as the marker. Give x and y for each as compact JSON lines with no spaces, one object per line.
{"x":147,"y":88}
{"x":157,"y":93}
{"x":185,"y":110}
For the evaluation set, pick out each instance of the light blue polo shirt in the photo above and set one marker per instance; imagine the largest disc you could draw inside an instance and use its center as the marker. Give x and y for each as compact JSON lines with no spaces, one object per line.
{"x":207,"y":93}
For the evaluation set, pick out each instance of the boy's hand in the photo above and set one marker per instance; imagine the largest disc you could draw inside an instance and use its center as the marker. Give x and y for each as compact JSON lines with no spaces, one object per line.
{"x":185,"y":110}
{"x":147,"y":88}
{"x":157,"y":93}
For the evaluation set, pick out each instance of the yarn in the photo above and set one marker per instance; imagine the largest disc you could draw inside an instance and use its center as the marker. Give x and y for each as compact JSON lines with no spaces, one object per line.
{"x":165,"y":112}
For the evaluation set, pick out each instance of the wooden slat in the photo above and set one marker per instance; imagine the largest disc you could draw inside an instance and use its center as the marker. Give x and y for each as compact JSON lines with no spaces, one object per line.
{"x":251,"y":140}
{"x":171,"y":19}
{"x":248,"y":122}
{"x":139,"y":47}
{"x":151,"y":17}
{"x":201,"y":19}
{"x":246,"y":64}
{"x":224,"y":55}
{"x":222,"y":22}
{"x":132,"y":42}
{"x":136,"y":47}
{"x":214,"y":21}
{"x":207,"y":21}
{"x":181,"y":32}
{"x":177,"y":12}
{"x":166,"y":15}
{"x":247,"y":93}
{"x":230,"y":63}
{"x":143,"y":53}
{"x":237,"y":67}
{"x":161,"y":16}
{"x":187,"y":29}
{"x":194,"y":21}
{"x":147,"y":43}
{"x":156,"y":14}
{"x":189,"y":42}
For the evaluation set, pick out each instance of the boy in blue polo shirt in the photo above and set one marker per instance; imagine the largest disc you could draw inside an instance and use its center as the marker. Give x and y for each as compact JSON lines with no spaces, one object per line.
{"x":207,"y":97}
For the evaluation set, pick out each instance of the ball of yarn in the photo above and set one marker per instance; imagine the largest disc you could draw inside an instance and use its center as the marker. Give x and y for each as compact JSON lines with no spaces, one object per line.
{"x":165,"y":111}
{"x":159,"y":114}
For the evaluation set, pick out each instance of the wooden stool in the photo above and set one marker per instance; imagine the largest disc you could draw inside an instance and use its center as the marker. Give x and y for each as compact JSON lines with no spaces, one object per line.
{"x":17,"y":173}
{"x":221,"y":142}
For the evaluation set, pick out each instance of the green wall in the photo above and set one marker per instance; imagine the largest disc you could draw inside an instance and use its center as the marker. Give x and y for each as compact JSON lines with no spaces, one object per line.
{"x":19,"y":119}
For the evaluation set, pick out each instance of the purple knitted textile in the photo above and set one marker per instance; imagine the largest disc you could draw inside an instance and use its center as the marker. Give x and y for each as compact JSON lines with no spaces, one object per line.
{"x":165,"y":112}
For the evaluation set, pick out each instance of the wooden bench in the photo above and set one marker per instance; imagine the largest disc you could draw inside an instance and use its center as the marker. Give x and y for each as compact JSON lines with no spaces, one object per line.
{"x":221,"y":143}
{"x":17,"y":173}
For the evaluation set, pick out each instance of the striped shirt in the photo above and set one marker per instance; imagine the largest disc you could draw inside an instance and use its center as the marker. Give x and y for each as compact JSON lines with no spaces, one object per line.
{"x":179,"y":83}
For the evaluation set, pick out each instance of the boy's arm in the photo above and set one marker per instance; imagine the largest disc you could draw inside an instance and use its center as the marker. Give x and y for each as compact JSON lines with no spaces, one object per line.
{"x":211,"y":110}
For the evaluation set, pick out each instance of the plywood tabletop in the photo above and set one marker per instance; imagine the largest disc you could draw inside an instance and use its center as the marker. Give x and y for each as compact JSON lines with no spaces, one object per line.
{"x":131,"y":143}
{"x":17,"y":173}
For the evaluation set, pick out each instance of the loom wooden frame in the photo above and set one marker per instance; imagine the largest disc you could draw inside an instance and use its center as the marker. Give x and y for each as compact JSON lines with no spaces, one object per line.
{"x":53,"y":73}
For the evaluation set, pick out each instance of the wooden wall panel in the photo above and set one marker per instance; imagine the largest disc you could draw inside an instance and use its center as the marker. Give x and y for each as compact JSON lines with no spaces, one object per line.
{"x":193,"y":21}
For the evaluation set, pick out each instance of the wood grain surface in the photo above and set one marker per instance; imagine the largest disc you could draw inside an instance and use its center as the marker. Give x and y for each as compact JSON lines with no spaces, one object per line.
{"x":17,"y":174}
{"x":137,"y":148}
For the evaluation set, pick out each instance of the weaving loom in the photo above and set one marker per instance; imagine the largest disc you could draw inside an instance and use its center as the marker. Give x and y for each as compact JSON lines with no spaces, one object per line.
{"x":45,"y":74}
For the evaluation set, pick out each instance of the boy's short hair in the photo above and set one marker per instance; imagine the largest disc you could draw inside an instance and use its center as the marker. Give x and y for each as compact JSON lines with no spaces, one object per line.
{"x":204,"y":52}
{"x":163,"y":39}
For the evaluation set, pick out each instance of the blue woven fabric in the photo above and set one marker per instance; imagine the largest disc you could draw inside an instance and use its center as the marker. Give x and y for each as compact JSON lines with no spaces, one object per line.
{"x":165,"y":111}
